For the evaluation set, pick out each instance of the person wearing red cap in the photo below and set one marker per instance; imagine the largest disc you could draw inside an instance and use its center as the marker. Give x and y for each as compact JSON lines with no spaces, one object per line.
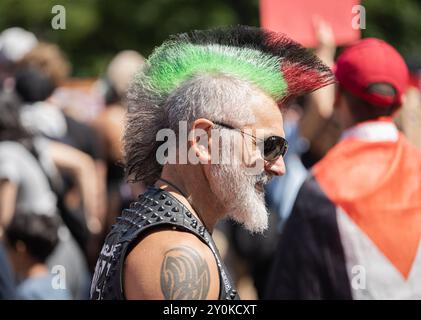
{"x":355,"y":229}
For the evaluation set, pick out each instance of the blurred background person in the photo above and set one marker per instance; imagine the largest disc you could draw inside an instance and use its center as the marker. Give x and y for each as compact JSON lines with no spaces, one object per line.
{"x":40,"y":115}
{"x":110,"y":124}
{"x":28,"y":173}
{"x":81,"y":195}
{"x":355,"y":229}
{"x":31,"y":238}
{"x":15,"y":42}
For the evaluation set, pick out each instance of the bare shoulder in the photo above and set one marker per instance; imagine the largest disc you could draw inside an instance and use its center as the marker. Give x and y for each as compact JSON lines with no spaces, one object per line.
{"x":173,"y":265}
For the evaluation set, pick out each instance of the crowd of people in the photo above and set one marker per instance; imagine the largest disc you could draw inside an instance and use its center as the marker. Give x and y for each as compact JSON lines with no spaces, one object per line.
{"x":60,"y":173}
{"x":79,"y":180}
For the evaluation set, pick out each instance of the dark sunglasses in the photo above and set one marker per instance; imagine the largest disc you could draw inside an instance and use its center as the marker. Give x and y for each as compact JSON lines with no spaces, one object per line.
{"x":273,"y":146}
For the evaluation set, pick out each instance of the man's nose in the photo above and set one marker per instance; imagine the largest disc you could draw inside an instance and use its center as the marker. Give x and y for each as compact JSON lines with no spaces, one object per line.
{"x":276,"y":168}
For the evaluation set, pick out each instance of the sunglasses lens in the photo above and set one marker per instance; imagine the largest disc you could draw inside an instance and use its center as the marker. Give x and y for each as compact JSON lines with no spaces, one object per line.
{"x":275,"y":147}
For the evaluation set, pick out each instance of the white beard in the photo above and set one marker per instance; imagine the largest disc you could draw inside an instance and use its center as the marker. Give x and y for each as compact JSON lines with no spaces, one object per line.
{"x":238,"y":194}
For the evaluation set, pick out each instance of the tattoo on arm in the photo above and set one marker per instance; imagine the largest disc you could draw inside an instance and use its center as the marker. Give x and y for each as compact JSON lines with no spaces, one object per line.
{"x":184,"y":275}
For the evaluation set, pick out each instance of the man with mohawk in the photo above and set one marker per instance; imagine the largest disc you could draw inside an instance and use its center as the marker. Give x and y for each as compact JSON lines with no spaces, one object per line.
{"x":223,"y":84}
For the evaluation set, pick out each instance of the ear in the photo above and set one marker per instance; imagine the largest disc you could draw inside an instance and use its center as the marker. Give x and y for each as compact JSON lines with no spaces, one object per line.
{"x":200,"y":140}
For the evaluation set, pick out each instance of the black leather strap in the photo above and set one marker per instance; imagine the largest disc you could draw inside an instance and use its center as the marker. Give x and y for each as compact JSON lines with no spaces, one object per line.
{"x":157,"y":207}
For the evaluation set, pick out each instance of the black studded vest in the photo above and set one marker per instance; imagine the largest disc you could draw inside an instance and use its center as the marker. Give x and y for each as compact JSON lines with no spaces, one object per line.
{"x":154,"y":208}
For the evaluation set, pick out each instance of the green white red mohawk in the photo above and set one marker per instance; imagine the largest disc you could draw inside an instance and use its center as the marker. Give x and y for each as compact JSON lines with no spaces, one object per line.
{"x":272,"y":61}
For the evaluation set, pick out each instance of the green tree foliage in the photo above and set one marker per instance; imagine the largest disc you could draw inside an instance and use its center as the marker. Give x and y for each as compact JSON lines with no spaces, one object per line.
{"x":397,"y":22}
{"x":97,"y":29}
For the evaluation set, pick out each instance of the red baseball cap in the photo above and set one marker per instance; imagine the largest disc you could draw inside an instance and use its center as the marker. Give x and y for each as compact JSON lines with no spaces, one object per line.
{"x":371,"y":61}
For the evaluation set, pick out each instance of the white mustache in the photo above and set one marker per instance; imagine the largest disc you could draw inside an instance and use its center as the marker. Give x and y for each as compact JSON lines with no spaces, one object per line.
{"x":262,"y":178}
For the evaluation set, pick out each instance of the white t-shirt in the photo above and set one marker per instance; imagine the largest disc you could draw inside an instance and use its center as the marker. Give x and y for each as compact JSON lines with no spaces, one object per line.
{"x":20,"y":167}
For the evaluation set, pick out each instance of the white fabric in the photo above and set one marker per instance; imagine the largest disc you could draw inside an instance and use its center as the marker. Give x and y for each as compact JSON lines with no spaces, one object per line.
{"x":364,"y":261}
{"x":374,"y":131}
{"x":44,"y":118}
{"x":19,"y":166}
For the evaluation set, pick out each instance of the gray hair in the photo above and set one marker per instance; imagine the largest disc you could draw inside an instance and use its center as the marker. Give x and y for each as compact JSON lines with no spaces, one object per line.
{"x":214,"y":96}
